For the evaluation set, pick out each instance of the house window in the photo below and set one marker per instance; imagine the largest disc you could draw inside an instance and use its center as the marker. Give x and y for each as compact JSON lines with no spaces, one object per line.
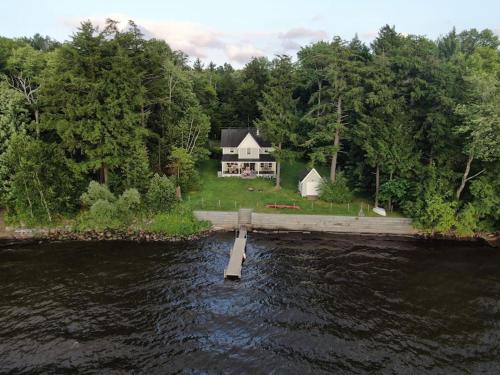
{"x":249,"y":151}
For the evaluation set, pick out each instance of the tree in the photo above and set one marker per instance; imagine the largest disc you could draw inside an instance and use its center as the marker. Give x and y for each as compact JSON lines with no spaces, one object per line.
{"x":161,"y":194}
{"x":382,"y":131}
{"x":470,"y":40}
{"x":93,"y":97}
{"x":278,"y":122}
{"x":338,"y":92}
{"x":481,"y":113}
{"x":42,"y":43}
{"x":174,"y":101}
{"x":254,"y":77}
{"x":14,"y":115}
{"x":25,"y":67}
{"x":38,"y":181}
{"x":181,"y":164}
{"x":191,"y":134}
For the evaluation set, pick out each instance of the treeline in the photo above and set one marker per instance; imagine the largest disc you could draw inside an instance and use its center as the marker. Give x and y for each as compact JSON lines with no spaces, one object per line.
{"x":412,"y":122}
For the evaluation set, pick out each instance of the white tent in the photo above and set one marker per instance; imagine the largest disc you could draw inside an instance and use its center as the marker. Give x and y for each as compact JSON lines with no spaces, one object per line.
{"x":309,"y":184}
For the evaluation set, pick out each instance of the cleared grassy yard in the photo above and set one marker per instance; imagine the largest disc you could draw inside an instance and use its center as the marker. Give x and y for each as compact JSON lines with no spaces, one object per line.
{"x":232,"y":193}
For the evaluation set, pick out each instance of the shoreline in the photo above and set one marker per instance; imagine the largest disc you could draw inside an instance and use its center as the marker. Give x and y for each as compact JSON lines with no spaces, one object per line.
{"x":89,"y":236}
{"x":58,"y":235}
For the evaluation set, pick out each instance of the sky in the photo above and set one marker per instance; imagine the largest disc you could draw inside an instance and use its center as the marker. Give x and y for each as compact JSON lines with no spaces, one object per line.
{"x":234,"y":31}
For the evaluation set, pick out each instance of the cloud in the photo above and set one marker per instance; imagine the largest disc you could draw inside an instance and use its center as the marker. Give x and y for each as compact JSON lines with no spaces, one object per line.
{"x":211,"y":44}
{"x":242,"y":53}
{"x":317,"y":18}
{"x":190,"y":37}
{"x":303,"y":33}
{"x":290,"y":45}
{"x":368,"y":35}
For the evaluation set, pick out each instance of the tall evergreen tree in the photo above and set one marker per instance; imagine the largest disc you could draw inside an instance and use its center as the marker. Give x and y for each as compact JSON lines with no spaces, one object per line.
{"x":338,"y":93}
{"x":279,"y":120}
{"x":93,"y":97}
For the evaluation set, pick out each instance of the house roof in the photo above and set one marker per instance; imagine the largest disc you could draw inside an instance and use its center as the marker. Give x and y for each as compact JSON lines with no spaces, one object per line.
{"x":234,"y":157}
{"x":306,"y":172}
{"x":232,"y":137}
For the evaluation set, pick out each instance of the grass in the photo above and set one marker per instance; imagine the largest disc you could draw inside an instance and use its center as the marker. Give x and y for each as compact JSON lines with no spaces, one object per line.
{"x":231,"y":193}
{"x":177,"y":223}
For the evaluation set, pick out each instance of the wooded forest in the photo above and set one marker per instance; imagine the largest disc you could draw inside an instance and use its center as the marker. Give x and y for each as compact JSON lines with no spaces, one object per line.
{"x":409,"y":122}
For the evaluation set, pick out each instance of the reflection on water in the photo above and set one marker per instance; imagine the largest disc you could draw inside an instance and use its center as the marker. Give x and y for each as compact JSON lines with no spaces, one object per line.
{"x":306,"y":304}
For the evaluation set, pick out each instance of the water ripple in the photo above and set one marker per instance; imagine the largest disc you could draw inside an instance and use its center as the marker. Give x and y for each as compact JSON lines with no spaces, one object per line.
{"x":306,"y":304}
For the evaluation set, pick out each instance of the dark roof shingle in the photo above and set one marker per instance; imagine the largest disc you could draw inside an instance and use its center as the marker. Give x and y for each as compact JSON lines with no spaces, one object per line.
{"x":304,"y":173}
{"x":232,"y":137}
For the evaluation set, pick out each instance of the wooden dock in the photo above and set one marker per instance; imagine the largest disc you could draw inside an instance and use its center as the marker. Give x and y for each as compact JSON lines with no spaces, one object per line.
{"x":237,"y":255}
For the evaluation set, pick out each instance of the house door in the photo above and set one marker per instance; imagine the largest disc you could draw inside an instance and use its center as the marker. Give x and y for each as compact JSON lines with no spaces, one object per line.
{"x":312,"y":188}
{"x":249,"y":167}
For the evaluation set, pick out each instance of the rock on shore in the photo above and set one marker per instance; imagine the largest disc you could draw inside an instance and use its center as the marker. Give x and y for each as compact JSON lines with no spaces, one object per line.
{"x":108,"y":235}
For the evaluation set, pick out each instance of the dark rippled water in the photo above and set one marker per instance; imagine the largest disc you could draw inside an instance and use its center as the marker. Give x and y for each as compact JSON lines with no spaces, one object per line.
{"x":306,"y":304}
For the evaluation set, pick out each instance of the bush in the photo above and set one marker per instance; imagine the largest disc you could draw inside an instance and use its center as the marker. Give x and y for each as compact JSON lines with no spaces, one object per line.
{"x":161,"y":194}
{"x":467,"y":220}
{"x":394,"y":190}
{"x":337,"y":192}
{"x":108,"y":212}
{"x":129,"y":201}
{"x":177,"y":224}
{"x":437,"y":214}
{"x":37,"y":181}
{"x":102,"y":215}
{"x":96,"y":192}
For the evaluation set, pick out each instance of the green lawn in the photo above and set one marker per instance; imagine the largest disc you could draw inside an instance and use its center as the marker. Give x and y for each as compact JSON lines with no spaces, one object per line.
{"x":231,"y":193}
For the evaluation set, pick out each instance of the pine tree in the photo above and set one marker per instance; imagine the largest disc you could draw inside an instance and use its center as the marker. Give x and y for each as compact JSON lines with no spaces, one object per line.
{"x":93,"y":97}
{"x":278,"y":122}
{"x":338,"y":91}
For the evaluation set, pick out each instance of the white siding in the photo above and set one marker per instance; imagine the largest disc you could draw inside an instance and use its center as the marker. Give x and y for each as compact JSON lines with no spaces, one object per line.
{"x":248,"y":148}
{"x":310,"y":185}
{"x":229,"y":150}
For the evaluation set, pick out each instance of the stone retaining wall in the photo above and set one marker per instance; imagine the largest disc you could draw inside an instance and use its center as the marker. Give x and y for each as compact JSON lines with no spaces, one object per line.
{"x":318,"y":223}
{"x":219,"y":219}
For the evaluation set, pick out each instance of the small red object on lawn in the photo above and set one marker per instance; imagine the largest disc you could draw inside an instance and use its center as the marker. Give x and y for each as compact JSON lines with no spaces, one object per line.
{"x":291,"y":206}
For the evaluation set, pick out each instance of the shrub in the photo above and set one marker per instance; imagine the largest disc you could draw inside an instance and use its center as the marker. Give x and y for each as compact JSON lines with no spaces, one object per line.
{"x":96,"y":192}
{"x":37,"y":181}
{"x":394,"y":190}
{"x":177,"y":224}
{"x":108,"y":212}
{"x":129,"y":201}
{"x":467,"y":220}
{"x":337,"y":192}
{"x":161,"y":194}
{"x":437,"y":214}
{"x":102,"y":215}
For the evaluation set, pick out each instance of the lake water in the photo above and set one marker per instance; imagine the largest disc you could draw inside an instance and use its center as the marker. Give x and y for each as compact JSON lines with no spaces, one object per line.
{"x":306,"y":304}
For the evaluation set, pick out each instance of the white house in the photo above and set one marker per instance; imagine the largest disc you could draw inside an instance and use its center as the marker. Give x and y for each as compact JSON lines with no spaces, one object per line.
{"x":310,"y":183}
{"x":246,"y":154}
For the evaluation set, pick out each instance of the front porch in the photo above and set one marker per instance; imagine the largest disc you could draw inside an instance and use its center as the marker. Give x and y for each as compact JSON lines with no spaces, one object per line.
{"x":248,"y":169}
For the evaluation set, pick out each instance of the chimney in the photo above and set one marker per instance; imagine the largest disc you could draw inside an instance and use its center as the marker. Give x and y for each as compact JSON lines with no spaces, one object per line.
{"x":258,"y":132}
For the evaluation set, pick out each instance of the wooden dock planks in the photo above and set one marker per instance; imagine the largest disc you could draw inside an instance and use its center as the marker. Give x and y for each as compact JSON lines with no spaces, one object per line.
{"x":237,"y":255}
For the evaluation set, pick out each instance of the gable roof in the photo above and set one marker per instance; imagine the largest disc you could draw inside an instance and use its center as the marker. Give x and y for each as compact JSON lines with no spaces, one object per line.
{"x":305,"y":173}
{"x":232,"y":137}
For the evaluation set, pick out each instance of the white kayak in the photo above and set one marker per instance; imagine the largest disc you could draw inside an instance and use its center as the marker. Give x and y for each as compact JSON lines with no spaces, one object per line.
{"x":379,"y":211}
